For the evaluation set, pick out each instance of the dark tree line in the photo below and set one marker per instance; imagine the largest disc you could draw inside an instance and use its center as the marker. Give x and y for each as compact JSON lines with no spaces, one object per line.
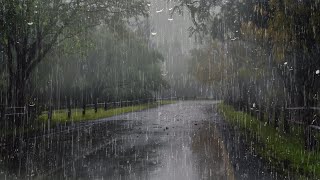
{"x":265,"y":54}
{"x":61,"y":53}
{"x":112,"y":69}
{"x":31,"y":29}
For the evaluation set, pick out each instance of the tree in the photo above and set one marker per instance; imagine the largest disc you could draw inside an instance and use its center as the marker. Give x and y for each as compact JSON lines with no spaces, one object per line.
{"x":287,"y":31}
{"x":31,"y":29}
{"x":111,"y":67}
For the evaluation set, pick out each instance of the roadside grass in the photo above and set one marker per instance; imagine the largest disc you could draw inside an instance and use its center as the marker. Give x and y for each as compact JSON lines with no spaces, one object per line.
{"x":60,"y":116}
{"x":285,"y":152}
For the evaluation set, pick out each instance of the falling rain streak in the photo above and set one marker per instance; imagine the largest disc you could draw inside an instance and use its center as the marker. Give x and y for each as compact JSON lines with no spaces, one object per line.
{"x":159,"y":89}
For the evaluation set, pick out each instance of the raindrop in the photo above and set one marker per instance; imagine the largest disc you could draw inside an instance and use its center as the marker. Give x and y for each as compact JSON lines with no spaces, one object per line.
{"x":318,"y":71}
{"x":159,"y":11}
{"x":30,"y":23}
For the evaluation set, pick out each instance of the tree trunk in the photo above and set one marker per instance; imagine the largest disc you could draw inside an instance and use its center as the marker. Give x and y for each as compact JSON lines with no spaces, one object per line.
{"x":17,"y":95}
{"x":17,"y":80}
{"x":105,"y":106}
{"x":276,"y":116}
{"x":83,"y":109}
{"x":286,"y":126}
{"x":95,"y":106}
{"x":20,"y":92}
{"x":69,"y":107}
{"x":50,"y":113}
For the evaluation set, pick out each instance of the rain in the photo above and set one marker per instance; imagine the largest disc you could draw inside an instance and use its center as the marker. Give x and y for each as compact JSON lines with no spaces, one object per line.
{"x":159,"y":89}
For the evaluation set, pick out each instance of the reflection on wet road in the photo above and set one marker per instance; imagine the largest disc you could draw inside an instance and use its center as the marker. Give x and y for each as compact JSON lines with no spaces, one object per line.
{"x":178,"y":141}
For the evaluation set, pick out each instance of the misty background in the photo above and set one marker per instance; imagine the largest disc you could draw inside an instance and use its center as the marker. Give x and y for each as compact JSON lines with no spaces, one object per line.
{"x":174,"y":40}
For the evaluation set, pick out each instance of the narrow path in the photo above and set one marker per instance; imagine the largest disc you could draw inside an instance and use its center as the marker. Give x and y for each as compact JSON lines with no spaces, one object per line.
{"x":187,"y":140}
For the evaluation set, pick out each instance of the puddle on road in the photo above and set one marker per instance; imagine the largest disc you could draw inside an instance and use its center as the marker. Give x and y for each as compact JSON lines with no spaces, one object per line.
{"x":194,"y":154}
{"x":180,"y":150}
{"x":210,"y":154}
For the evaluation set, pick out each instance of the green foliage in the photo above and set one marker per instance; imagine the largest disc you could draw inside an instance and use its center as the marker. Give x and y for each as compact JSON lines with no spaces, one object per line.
{"x":209,"y":64}
{"x":277,"y":55}
{"x":31,"y":29}
{"x":240,"y":69}
{"x":110,"y":67}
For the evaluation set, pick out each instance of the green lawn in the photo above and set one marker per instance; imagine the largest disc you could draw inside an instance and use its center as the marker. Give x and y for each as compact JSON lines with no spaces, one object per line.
{"x":60,"y":116}
{"x":285,"y":152}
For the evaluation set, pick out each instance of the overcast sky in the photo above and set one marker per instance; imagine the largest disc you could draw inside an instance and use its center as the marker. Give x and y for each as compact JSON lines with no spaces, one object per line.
{"x":169,"y":28}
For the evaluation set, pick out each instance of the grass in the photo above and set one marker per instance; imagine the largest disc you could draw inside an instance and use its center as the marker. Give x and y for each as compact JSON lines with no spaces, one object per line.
{"x":285,"y":152}
{"x":60,"y":116}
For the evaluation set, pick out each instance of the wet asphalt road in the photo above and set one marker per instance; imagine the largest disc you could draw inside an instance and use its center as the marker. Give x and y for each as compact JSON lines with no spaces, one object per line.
{"x":186,"y":140}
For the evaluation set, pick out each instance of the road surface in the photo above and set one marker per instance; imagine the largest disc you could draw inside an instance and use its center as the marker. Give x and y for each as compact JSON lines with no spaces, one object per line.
{"x":186,"y":140}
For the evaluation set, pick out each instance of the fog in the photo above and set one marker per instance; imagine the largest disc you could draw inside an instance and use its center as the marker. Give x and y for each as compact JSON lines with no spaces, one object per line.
{"x":159,"y":89}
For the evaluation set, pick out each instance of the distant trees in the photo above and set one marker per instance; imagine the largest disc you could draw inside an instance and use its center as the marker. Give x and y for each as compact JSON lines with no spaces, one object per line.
{"x":294,"y":30}
{"x":287,"y":30}
{"x":31,"y":29}
{"x":271,"y":51}
{"x":112,"y":66}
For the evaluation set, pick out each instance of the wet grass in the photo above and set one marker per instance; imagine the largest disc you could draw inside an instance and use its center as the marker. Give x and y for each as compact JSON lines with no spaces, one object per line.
{"x":285,"y":152}
{"x":60,"y":116}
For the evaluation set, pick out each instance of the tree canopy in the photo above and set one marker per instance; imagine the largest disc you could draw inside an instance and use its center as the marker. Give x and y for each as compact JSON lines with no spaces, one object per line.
{"x":31,"y":29}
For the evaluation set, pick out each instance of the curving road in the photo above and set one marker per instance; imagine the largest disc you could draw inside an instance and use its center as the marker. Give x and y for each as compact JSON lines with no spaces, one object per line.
{"x":186,"y":140}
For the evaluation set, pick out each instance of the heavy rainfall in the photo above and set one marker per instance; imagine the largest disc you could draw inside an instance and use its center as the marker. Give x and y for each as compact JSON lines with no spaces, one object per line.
{"x":159,"y":89}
